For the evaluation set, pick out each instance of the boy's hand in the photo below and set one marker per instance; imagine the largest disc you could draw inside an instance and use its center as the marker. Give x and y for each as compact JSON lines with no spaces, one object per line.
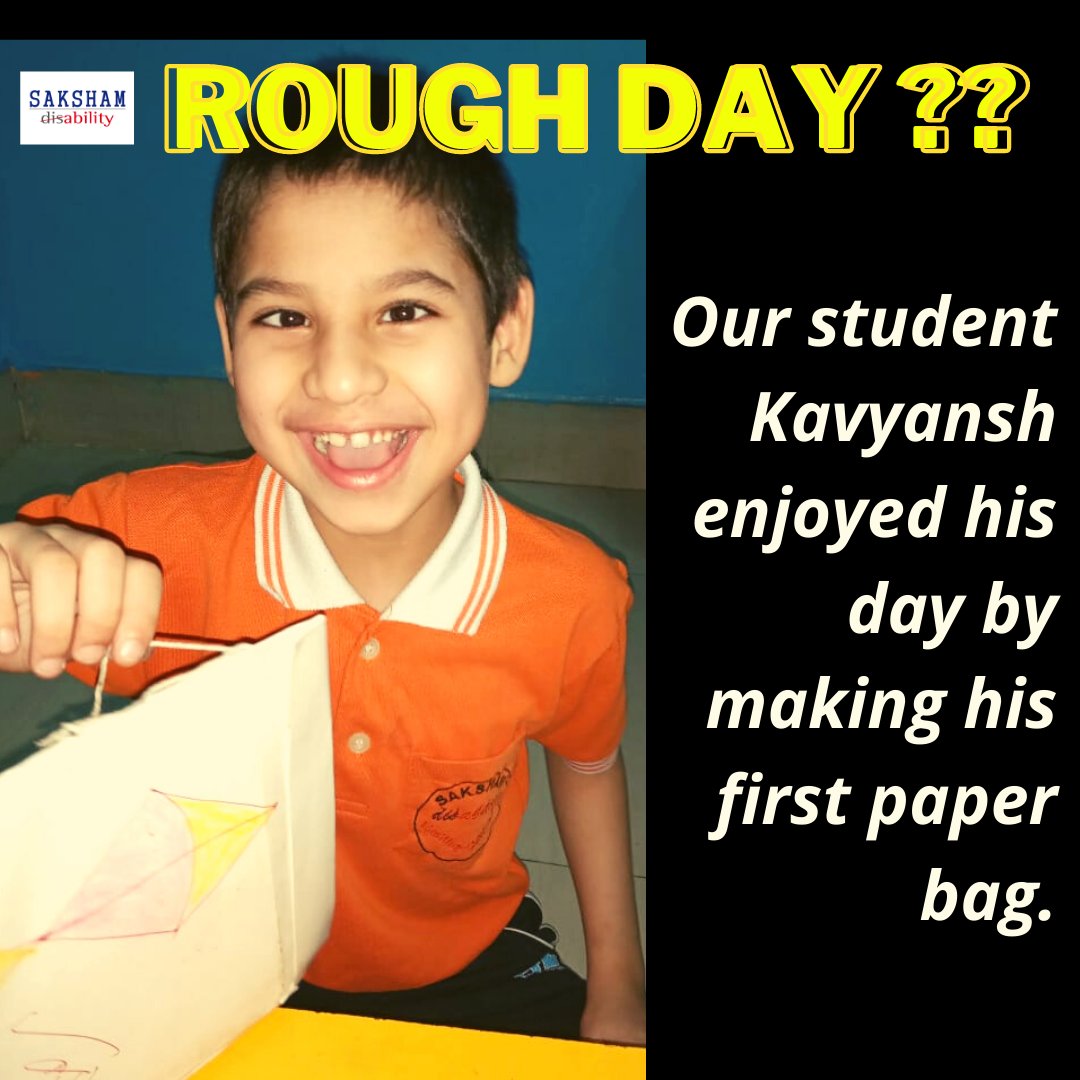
{"x":617,"y":1016}
{"x":67,"y":594}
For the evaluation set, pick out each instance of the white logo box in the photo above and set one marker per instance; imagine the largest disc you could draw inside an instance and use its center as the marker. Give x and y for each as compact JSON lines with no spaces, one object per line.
{"x":77,"y":108}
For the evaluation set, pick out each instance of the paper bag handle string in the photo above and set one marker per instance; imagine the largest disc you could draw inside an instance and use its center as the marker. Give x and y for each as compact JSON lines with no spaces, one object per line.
{"x":157,"y":643}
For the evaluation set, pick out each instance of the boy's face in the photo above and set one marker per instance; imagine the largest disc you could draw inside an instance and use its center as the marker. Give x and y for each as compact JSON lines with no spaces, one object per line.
{"x":360,"y":356}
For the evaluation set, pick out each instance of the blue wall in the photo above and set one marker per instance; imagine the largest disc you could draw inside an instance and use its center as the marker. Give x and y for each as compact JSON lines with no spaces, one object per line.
{"x":105,"y":263}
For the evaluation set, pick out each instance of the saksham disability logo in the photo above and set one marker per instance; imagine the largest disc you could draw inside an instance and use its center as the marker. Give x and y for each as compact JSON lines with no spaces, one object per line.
{"x":73,"y":108}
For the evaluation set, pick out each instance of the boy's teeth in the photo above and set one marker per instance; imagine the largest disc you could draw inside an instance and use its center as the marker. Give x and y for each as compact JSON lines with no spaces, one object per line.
{"x":358,"y":440}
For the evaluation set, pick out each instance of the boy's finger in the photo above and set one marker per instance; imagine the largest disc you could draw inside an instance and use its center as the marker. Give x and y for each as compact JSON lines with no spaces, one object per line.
{"x":9,"y":619}
{"x":100,"y":595}
{"x":139,"y":616}
{"x":51,"y":571}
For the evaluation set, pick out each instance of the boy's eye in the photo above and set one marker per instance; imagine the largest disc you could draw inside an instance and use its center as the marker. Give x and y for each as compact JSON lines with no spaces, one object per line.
{"x":405,"y":312}
{"x":283,"y":319}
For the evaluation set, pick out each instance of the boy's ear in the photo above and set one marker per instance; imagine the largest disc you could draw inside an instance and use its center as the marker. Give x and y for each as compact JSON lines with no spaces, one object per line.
{"x":510,"y":342}
{"x":226,"y":338}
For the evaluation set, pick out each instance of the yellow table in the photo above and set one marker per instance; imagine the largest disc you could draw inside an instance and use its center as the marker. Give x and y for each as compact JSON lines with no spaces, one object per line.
{"x":293,"y":1045}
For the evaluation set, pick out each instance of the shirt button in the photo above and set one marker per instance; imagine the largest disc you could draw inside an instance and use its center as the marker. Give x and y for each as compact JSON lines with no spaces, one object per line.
{"x":370,"y":649}
{"x":359,"y":742}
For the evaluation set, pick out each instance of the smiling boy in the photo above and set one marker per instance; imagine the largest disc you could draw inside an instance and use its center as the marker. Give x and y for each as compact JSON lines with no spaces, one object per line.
{"x":365,"y":305}
{"x":358,"y":346}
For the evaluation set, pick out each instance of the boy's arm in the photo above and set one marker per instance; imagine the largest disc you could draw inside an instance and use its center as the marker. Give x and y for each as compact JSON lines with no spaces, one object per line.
{"x":591,"y":811}
{"x":67,"y":593}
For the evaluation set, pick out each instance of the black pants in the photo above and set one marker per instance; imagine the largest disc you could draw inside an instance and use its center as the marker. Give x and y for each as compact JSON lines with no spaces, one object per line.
{"x":518,"y":984}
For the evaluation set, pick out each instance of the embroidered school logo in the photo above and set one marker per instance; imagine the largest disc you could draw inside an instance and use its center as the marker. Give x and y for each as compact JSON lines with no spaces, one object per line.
{"x":77,"y":108}
{"x":453,"y":823}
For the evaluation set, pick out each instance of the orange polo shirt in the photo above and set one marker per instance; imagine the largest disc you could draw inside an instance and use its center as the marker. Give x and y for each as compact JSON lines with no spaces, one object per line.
{"x":514,"y":629}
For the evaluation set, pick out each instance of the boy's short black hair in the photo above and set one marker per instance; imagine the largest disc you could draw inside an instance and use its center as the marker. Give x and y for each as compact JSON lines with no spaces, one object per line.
{"x":470,"y":192}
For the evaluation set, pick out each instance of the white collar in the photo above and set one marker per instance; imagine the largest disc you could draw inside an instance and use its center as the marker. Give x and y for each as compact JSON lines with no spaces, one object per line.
{"x":451,"y":591}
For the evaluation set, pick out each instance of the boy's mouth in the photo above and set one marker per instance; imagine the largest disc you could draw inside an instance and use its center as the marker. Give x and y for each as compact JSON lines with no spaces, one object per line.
{"x":361,"y":450}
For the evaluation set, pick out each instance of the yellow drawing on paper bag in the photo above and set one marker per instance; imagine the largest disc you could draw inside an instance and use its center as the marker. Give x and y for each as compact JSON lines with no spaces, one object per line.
{"x":220,"y":833}
{"x":9,"y":959}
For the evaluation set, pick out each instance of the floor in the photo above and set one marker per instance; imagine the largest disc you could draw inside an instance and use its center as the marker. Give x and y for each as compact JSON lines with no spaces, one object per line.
{"x":614,"y":518}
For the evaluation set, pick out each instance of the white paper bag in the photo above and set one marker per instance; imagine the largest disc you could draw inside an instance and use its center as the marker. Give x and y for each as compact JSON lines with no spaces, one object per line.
{"x":167,"y":871}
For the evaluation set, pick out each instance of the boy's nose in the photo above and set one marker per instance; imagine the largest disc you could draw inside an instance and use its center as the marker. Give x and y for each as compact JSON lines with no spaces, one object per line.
{"x":344,"y":369}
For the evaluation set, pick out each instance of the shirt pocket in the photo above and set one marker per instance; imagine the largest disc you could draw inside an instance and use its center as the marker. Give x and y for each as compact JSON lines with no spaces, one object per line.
{"x":467,"y":813}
